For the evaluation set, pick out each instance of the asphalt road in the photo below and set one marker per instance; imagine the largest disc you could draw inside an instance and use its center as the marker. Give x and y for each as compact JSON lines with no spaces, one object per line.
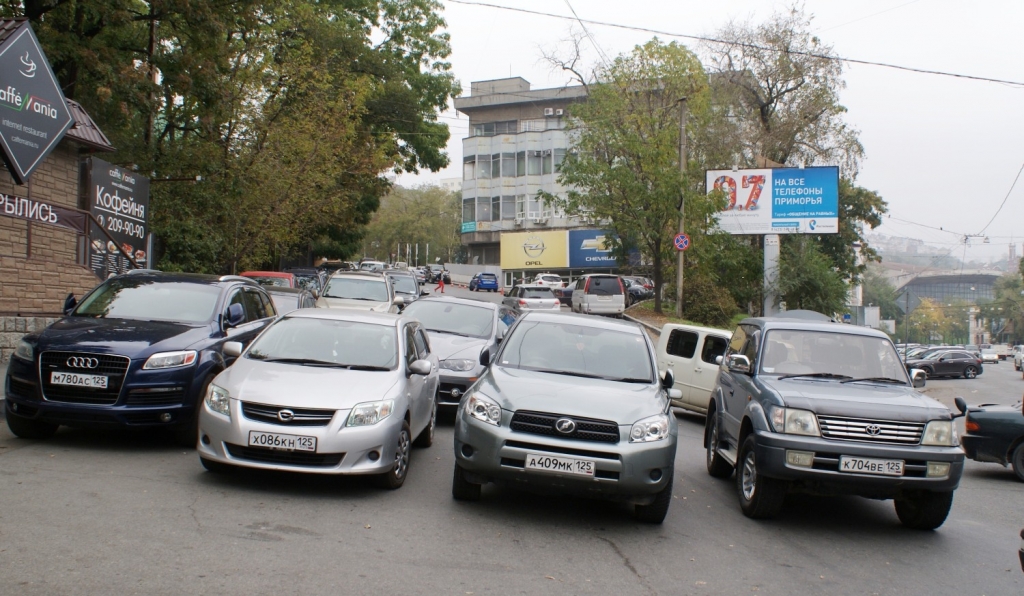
{"x":99,"y":513}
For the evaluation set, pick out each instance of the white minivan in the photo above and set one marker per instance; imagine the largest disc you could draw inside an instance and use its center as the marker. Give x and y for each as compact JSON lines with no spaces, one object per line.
{"x":690,"y":353}
{"x":599,"y":294}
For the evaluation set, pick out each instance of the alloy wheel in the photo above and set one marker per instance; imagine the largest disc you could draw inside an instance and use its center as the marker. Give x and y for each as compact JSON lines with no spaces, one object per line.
{"x":402,"y":455}
{"x":749,"y":476}
{"x":712,"y":442}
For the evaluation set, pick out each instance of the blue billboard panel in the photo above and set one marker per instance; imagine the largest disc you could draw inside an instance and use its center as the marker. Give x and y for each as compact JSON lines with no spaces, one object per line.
{"x":805,"y":192}
{"x":591,"y":248}
{"x":778,"y":200}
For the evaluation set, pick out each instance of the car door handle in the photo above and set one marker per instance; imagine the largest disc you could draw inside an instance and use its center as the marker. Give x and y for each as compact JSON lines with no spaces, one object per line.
{"x":670,"y":364}
{"x":697,"y":370}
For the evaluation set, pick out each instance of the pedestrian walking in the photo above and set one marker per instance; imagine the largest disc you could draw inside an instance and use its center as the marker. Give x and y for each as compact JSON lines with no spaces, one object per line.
{"x":440,"y":282}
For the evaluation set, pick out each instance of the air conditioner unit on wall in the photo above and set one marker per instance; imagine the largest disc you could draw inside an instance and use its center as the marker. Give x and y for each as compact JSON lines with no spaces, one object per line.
{"x":559,"y":112}
{"x":549,"y":111}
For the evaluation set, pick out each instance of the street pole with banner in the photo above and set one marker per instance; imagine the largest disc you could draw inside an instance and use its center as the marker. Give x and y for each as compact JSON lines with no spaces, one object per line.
{"x":681,"y":259}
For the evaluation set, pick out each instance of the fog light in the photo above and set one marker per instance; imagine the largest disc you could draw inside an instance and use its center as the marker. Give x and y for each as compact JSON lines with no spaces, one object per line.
{"x":165,"y":417}
{"x":206,"y":439}
{"x":467,"y":451}
{"x":14,"y":407}
{"x":655,"y":475}
{"x":800,"y":459}
{"x":938,"y":469}
{"x":373,"y":455}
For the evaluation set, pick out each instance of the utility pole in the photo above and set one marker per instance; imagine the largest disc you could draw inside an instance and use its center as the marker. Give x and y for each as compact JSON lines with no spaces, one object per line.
{"x":682,"y":169}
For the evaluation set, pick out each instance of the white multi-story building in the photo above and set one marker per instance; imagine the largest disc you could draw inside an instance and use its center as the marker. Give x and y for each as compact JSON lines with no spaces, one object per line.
{"x":517,"y":141}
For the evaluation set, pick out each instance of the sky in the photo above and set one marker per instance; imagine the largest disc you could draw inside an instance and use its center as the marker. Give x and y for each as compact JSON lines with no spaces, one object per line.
{"x":942,"y":151}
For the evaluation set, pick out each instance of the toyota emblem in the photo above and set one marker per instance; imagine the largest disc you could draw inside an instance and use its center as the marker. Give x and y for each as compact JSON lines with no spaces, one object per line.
{"x":566,"y":426}
{"x":285,"y":415}
{"x":82,"y":362}
{"x":873,"y":429}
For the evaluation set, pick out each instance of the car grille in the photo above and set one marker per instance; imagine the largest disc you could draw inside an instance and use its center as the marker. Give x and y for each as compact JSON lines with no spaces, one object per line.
{"x":302,"y":416}
{"x":444,"y":393}
{"x":871,"y":431}
{"x":114,"y":367}
{"x":291,"y":458}
{"x":587,"y":429}
{"x":563,"y":450}
{"x":155,"y":396}
{"x":23,"y":389}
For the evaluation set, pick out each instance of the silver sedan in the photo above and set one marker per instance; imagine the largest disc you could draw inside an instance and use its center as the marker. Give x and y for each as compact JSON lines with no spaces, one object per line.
{"x":327,"y":391}
{"x":531,"y":297}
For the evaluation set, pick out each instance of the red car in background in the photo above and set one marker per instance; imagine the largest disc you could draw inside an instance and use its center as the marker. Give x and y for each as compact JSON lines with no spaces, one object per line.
{"x":272,"y":278}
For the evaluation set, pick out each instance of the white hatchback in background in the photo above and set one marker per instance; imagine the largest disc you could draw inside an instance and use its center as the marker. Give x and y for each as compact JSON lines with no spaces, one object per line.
{"x":548,"y":279}
{"x":691,"y":353}
{"x":324,"y":391}
{"x":360,"y":290}
{"x":534,"y":297}
{"x":599,"y":294}
{"x":1018,"y":356}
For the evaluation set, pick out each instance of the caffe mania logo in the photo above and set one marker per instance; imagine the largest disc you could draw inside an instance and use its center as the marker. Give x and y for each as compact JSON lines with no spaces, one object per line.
{"x":12,"y":99}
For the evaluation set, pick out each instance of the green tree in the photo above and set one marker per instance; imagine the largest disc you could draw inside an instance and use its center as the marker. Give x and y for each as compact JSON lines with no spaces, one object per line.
{"x":807,"y":279}
{"x":427,"y":215}
{"x":879,"y":291}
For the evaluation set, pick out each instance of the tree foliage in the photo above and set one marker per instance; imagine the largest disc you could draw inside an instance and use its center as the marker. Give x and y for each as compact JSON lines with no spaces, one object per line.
{"x":807,"y":279}
{"x":290,"y":111}
{"x":427,"y":216}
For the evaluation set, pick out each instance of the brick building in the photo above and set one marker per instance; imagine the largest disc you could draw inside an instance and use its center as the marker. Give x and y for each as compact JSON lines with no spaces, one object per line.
{"x":40,"y":264}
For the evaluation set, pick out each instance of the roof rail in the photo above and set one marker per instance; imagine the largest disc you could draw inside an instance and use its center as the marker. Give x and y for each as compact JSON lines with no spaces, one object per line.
{"x":134,"y":271}
{"x":237,"y":278}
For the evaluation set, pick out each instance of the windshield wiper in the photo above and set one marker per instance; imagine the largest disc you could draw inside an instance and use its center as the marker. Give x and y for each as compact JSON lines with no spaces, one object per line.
{"x":306,"y":362}
{"x":876,"y":380}
{"x":821,"y":375}
{"x":363,"y":367}
{"x":450,"y":332}
{"x":570,"y":373}
{"x":632,"y":380}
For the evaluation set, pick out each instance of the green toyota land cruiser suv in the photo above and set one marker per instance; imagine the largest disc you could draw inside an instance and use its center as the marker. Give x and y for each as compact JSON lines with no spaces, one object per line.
{"x":805,"y":404}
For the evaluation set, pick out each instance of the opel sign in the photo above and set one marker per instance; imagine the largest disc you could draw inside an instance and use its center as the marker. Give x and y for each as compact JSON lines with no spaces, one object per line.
{"x":33,"y":112}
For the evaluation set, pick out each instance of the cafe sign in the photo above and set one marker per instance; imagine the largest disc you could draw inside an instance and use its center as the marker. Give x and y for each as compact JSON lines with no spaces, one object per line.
{"x":33,"y":112}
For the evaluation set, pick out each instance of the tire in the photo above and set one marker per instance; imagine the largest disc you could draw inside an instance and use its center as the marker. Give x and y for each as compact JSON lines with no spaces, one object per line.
{"x":395,"y":477}
{"x":924,"y":510}
{"x":426,"y":438}
{"x":655,"y":512}
{"x":928,"y":372}
{"x":970,"y":372}
{"x":1017,"y":461}
{"x":462,"y":489}
{"x":186,"y":434}
{"x":760,"y":497}
{"x":26,"y":428}
{"x":717,"y":466}
{"x":217,"y":467}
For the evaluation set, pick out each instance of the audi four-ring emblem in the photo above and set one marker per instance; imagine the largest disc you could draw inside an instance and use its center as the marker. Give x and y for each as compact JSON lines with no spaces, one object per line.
{"x":566,"y":426}
{"x":285,"y":415}
{"x":82,"y":362}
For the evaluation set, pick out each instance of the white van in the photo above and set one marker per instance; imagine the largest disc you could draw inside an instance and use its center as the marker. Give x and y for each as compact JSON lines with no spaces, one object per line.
{"x":690,"y":352}
{"x":599,"y":294}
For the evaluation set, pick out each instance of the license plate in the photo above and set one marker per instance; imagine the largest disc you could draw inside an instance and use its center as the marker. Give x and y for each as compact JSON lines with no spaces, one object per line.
{"x":77,"y":380}
{"x":562,"y":465}
{"x":283,"y":442}
{"x":863,"y":465}
{"x":604,"y":298}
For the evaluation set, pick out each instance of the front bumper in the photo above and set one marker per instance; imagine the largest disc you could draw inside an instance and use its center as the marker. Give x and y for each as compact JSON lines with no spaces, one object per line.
{"x":339,"y":449}
{"x":825,"y":477}
{"x":623,"y":471}
{"x":453,"y":385}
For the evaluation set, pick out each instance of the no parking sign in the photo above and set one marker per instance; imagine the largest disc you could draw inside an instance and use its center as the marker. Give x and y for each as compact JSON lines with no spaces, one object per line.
{"x":681,"y":241}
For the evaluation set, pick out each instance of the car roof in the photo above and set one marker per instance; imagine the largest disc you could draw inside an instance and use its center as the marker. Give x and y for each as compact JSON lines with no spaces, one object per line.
{"x":796,"y":324}
{"x":534,"y":287}
{"x":359,"y":274}
{"x":583,"y":320}
{"x":268,"y":274}
{"x":196,"y":278}
{"x":283,"y":290}
{"x":454,"y":300}
{"x":349,"y":314}
{"x":404,"y":272}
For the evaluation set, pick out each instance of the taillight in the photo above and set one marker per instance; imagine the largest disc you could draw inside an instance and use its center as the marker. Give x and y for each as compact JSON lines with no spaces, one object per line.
{"x":972,"y":426}
{"x":586,"y":286}
{"x":622,"y":286}
{"x":522,"y":302}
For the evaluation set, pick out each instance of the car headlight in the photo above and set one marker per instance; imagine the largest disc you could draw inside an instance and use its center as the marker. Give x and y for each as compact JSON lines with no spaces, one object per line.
{"x":25,"y":350}
{"x":484,"y":409}
{"x":170,"y":359}
{"x":940,"y":433}
{"x":795,"y":422}
{"x":653,"y":428}
{"x":370,"y":413}
{"x":458,"y":364}
{"x":218,"y":400}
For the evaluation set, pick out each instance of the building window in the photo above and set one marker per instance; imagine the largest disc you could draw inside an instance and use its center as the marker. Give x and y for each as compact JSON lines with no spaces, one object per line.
{"x":495,"y":208}
{"x":483,"y":209}
{"x":508,"y":165}
{"x":533,"y":163}
{"x":496,"y":165}
{"x":468,"y":165}
{"x":508,"y":207}
{"x":520,"y":206}
{"x":483,"y":167}
{"x":546,"y":157}
{"x":538,"y":125}
{"x":559,"y":158}
{"x":490,"y":129}
{"x":535,"y":208}
{"x":468,"y":210}
{"x":521,"y":163}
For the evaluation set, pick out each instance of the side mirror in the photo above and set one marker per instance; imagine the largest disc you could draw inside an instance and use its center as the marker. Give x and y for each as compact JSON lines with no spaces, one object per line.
{"x":668,"y":380}
{"x":399,"y":301}
{"x":424,"y":293}
{"x":675,"y":394}
{"x":420,"y":367}
{"x":718,"y":360}
{"x":485,"y":357}
{"x":499,"y":336}
{"x":70,"y":302}
{"x":233,"y":348}
{"x":960,"y":405}
{"x":738,"y":363}
{"x":235,"y":316}
{"x":942,"y":359}
{"x":918,"y":377}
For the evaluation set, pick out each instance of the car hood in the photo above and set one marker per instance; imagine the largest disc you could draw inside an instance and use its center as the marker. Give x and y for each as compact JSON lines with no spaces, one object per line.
{"x":446,"y":346}
{"x":324,"y":301}
{"x":294,"y":385}
{"x":858,"y":400}
{"x":625,"y":403}
{"x":127,"y":337}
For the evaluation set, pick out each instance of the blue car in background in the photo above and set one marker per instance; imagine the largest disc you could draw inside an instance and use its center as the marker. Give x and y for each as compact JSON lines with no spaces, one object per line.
{"x":484,"y":281}
{"x":139,"y":351}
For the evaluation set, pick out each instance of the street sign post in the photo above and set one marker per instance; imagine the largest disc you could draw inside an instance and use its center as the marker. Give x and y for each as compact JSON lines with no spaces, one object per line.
{"x":34,"y":114}
{"x":681,"y":242}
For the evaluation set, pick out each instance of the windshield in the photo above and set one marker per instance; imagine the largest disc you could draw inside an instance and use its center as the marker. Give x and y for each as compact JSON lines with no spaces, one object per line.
{"x":128,"y":298}
{"x":790,"y":352}
{"x":537,"y":293}
{"x":354,"y":288}
{"x":578,"y":350}
{"x":327,"y":341}
{"x":460,"y":319}
{"x":307,"y":281}
{"x":279,"y":282}
{"x":404,"y":284}
{"x":285,"y":303}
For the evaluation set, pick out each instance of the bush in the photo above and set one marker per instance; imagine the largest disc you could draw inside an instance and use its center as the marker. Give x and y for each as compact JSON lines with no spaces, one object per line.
{"x":708,"y":304}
